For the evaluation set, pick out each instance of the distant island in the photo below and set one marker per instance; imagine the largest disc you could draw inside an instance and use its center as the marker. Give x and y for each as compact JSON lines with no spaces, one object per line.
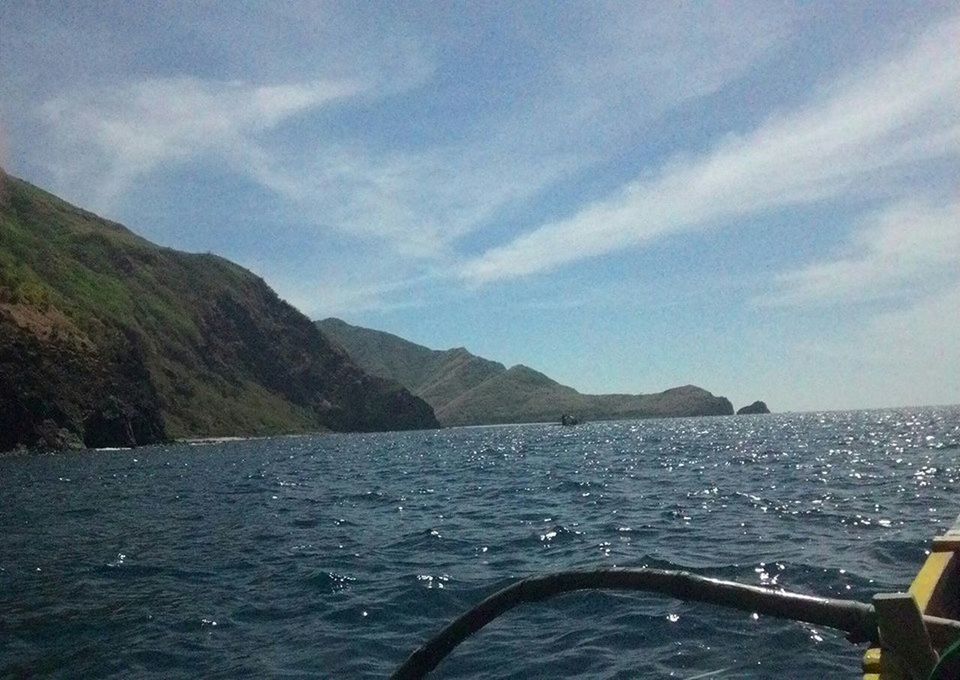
{"x":107,"y":339}
{"x":465,"y":389}
{"x":754,"y":408}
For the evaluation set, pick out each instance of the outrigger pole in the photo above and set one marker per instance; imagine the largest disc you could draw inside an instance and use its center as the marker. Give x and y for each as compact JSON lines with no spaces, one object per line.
{"x":859,"y":620}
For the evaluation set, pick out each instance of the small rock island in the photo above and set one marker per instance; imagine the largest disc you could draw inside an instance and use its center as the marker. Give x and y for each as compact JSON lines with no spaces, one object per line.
{"x":755,"y":407}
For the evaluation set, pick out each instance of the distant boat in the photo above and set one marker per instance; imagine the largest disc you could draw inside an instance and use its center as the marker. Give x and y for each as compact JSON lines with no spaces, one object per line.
{"x":566,"y":419}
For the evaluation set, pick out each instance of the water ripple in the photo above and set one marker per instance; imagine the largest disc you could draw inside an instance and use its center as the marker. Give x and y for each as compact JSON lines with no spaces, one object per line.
{"x":334,"y":556}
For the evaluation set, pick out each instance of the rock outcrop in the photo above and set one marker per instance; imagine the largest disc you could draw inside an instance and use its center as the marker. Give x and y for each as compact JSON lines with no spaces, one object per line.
{"x":755,"y":407}
{"x":109,"y":340}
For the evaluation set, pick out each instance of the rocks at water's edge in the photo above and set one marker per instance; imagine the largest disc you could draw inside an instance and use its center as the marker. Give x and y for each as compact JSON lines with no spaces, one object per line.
{"x":754,"y":408}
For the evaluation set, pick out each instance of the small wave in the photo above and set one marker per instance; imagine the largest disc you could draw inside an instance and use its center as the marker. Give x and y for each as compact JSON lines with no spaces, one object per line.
{"x":304,"y":523}
{"x":558,"y":533}
{"x":431,"y":581}
{"x":329,"y":581}
{"x":332,"y":580}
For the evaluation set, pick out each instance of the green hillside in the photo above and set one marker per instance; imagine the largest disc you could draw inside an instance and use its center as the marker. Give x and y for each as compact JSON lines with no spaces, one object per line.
{"x":464,"y":389}
{"x":438,"y":376}
{"x":106,"y":338}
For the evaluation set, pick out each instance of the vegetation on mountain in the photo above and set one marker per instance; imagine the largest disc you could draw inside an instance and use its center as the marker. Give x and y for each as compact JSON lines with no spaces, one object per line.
{"x":465,"y":389}
{"x":437,"y":376}
{"x":107,"y":339}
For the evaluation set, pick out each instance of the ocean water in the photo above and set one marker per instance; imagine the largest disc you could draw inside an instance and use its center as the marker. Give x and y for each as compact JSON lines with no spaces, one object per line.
{"x":337,"y":555}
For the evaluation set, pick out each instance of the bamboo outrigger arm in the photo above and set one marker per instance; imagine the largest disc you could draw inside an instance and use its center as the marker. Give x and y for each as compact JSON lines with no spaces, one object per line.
{"x":857,"y":619}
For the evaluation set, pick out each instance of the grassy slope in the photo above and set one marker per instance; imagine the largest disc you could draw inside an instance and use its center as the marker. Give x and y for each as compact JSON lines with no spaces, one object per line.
{"x":465,"y":389}
{"x":438,"y":376}
{"x":224,"y":354}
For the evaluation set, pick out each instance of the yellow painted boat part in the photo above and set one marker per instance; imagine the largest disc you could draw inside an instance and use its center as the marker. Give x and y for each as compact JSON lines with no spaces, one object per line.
{"x":936,"y":589}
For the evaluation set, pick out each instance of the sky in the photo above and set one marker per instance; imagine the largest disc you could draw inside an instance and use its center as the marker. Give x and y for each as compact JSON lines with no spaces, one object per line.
{"x":760,"y":198}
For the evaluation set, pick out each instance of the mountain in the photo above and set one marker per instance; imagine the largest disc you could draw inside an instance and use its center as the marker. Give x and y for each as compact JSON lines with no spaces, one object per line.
{"x":465,"y":389}
{"x":107,"y":339}
{"x":437,"y":376}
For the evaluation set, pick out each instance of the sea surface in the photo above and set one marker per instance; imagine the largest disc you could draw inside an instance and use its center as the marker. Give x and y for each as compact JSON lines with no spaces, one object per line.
{"x":335,"y":556}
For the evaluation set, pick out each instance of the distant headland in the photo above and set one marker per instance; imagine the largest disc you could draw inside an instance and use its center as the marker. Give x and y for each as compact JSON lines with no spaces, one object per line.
{"x":465,"y":389}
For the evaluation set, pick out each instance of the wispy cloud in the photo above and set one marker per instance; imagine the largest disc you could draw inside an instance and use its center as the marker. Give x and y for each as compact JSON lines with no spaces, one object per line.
{"x":418,"y":198}
{"x":627,"y":64}
{"x":122,"y":133}
{"x":342,"y":297}
{"x":905,"y":245}
{"x":419,"y":203}
{"x":424,"y":201}
{"x":856,"y":136}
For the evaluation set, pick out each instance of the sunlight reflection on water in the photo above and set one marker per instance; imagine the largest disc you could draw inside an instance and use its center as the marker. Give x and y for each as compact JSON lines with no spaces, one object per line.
{"x":337,"y":555}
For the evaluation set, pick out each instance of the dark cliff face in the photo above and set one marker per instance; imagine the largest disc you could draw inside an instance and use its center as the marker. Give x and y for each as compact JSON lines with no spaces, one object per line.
{"x":754,"y":408}
{"x":59,"y":390}
{"x":109,"y":340}
{"x":469,"y":390}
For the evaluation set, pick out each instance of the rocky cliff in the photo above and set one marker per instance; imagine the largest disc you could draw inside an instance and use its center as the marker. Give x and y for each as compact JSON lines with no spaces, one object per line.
{"x":109,"y":340}
{"x":465,"y":389}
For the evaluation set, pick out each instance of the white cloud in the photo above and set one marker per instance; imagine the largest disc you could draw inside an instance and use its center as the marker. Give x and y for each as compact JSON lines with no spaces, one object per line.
{"x":120,"y":134}
{"x":856,"y":136}
{"x":628,"y":64}
{"x":420,"y":203}
{"x":420,"y":198}
{"x":339,"y":295}
{"x":904,"y":246}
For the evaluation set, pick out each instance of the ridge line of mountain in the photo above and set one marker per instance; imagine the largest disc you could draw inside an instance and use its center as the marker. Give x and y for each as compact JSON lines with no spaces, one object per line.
{"x":465,"y":389}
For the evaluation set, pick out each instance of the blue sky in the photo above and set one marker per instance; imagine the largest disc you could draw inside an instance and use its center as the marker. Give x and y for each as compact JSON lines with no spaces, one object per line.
{"x":759,"y":198}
